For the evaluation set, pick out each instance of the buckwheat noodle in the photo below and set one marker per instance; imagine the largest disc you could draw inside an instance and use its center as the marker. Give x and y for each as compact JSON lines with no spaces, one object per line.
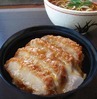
{"x":64,"y":4}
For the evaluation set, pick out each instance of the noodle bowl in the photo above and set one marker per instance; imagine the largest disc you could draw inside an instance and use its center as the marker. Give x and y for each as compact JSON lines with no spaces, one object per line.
{"x":79,"y":5}
{"x":82,"y":18}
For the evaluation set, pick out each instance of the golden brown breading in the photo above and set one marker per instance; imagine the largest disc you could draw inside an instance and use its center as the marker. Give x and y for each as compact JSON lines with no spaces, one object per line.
{"x":30,"y":75}
{"x":56,"y":52}
{"x":46,"y":65}
{"x":67,"y":45}
{"x":37,"y":56}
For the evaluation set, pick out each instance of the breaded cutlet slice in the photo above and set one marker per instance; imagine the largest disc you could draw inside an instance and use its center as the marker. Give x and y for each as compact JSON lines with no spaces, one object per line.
{"x":66,"y":44}
{"x":57,"y":52}
{"x":30,"y":77}
{"x":35,"y":60}
{"x":74,"y":72}
{"x":38,"y":56}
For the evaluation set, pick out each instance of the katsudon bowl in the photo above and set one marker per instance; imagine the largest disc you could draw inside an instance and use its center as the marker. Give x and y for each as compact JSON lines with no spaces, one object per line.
{"x":21,"y":38}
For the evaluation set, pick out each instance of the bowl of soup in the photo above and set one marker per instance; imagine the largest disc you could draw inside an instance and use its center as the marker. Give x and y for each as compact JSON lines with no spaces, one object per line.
{"x":80,"y":15}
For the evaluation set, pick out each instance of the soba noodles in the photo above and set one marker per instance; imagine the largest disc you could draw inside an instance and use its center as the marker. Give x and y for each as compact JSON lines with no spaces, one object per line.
{"x":79,"y":5}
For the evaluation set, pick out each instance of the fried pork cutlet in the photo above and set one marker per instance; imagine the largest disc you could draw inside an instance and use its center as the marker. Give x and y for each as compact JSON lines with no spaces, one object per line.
{"x":44,"y":67}
{"x":67,"y":45}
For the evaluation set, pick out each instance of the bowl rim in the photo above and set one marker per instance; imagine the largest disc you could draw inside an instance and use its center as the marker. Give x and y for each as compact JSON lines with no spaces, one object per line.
{"x":67,"y":11}
{"x":51,"y":27}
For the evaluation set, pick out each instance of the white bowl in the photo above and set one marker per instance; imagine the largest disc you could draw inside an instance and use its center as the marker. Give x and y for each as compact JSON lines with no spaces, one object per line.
{"x":82,"y":21}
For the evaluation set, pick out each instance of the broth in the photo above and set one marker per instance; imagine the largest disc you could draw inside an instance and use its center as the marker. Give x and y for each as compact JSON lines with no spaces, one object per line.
{"x":79,"y":5}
